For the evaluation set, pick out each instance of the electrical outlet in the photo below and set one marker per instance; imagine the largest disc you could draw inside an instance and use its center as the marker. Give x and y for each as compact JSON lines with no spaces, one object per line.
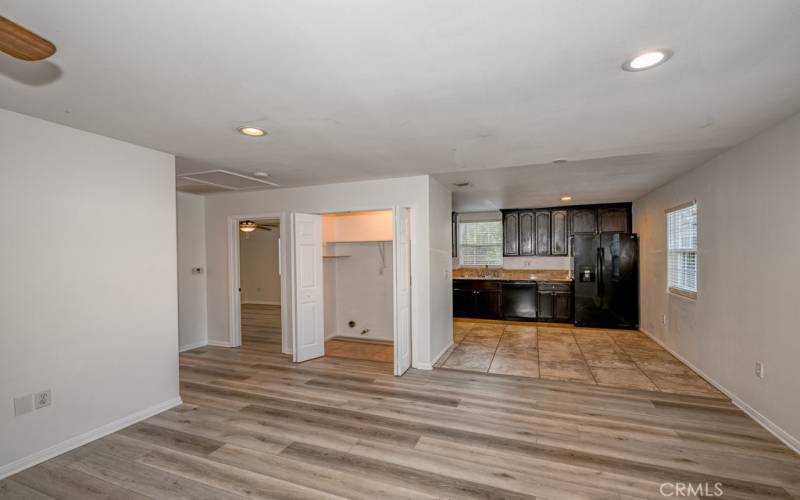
{"x":759,"y":369}
{"x":23,"y":405}
{"x":43,"y":398}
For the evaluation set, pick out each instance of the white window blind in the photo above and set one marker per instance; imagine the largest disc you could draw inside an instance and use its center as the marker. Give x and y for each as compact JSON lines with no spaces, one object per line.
{"x":682,"y":250}
{"x":481,"y":243}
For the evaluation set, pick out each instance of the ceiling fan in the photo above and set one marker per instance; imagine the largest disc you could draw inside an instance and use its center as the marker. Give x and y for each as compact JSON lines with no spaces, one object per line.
{"x":20,"y":43}
{"x":248,"y":226}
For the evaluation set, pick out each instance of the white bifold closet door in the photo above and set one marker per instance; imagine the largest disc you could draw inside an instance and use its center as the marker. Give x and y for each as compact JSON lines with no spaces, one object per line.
{"x":402,"y":290}
{"x":307,"y":314}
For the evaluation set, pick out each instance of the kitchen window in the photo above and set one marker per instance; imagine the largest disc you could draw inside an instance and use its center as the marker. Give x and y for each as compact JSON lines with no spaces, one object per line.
{"x":682,"y":250}
{"x":480,"y":243}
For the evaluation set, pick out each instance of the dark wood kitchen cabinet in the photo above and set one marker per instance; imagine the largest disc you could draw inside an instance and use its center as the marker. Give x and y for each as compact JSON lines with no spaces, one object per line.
{"x":614,"y":220}
{"x":554,"y":301}
{"x":476,"y":299}
{"x":583,"y":220}
{"x":559,"y":231}
{"x":542,"y":232}
{"x":510,"y":233}
{"x":527,"y":301}
{"x":527,"y":228}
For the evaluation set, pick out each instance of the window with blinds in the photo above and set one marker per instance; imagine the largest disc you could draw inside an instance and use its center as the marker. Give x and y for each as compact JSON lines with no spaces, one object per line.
{"x":480,"y":243}
{"x":682,"y":250}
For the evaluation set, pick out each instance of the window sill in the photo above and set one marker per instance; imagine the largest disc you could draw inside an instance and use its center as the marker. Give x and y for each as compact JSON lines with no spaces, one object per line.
{"x":686,"y":294}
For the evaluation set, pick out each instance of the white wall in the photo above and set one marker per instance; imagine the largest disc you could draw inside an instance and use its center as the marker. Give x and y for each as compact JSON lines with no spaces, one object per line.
{"x":362,"y":290}
{"x":88,"y":306}
{"x":440,"y":271}
{"x":258,"y":267}
{"x":191,"y":287}
{"x":748,"y":289}
{"x":368,"y":195}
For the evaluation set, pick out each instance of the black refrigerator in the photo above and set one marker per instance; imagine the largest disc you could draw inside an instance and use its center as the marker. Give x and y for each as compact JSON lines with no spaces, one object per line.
{"x":606,"y":268}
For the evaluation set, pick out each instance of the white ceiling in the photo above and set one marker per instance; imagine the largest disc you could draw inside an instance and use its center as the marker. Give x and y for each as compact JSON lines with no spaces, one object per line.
{"x":604,"y":180}
{"x":383,"y":88}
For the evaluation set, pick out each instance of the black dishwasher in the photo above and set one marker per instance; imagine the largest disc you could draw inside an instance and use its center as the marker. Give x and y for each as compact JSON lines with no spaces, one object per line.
{"x":519,"y":300}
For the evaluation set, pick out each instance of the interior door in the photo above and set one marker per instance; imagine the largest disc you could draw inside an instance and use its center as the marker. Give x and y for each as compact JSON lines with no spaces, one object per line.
{"x":307,"y":313}
{"x":402,"y":290}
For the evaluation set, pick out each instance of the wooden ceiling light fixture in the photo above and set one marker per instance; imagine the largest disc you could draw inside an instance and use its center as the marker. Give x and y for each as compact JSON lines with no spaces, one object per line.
{"x":20,"y":43}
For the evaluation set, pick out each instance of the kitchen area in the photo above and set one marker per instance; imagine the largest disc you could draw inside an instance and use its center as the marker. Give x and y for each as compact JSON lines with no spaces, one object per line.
{"x":553,"y":293}
{"x":586,"y":270}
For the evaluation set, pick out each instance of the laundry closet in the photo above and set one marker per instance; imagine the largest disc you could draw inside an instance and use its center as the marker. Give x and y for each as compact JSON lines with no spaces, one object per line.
{"x":358,"y":285}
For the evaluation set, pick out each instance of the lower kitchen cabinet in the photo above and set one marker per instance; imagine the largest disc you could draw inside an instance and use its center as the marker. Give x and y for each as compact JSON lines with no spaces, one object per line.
{"x":554,"y":302}
{"x":521,"y":301}
{"x":476,"y":299}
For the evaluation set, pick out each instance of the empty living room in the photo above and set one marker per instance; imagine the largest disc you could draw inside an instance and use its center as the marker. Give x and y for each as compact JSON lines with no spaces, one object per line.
{"x":369,"y":249}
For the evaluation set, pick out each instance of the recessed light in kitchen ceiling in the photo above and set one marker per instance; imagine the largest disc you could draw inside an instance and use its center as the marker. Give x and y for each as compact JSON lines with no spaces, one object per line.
{"x":566,"y":198}
{"x":252,"y":131}
{"x":647,"y":59}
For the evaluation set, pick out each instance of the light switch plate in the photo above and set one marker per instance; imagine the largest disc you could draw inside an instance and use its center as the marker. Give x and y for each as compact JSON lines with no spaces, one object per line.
{"x":23,"y":405}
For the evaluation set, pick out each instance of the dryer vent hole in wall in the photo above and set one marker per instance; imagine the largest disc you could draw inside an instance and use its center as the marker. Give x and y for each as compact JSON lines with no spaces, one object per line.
{"x":352,"y":324}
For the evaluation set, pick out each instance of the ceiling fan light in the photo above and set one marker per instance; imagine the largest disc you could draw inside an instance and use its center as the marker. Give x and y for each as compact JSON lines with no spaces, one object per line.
{"x":247,"y":226}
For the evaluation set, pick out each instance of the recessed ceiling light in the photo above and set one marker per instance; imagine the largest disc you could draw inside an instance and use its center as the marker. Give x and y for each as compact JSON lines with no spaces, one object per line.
{"x":560,"y":160}
{"x":252,"y":131}
{"x":646,"y":60}
{"x":262,"y":175}
{"x":566,"y":198}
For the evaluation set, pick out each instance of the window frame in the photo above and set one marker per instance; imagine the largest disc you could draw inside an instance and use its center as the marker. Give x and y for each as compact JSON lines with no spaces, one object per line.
{"x":461,"y":244}
{"x":681,"y":292}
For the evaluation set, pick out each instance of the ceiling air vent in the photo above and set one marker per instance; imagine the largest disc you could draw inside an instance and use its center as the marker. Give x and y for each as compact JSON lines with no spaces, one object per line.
{"x":220,"y":180}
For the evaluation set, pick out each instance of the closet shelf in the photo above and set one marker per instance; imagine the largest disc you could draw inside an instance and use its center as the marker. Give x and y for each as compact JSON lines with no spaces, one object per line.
{"x":335,"y":256}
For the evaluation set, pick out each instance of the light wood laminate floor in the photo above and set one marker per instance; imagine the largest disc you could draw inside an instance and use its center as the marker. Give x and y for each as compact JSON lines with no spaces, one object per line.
{"x":255,"y":425}
{"x":615,"y":358}
{"x":262,"y":322}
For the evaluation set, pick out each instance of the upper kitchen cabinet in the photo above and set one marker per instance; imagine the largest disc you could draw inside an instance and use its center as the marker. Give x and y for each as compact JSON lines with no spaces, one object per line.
{"x":527,"y":238}
{"x":547,"y":231}
{"x":510,"y":234}
{"x":559,"y":235}
{"x":542,"y":232}
{"x":584,"y":220}
{"x":614,"y":219}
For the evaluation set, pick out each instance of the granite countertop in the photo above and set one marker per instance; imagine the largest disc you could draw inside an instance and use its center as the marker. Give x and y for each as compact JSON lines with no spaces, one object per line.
{"x":511,"y":274}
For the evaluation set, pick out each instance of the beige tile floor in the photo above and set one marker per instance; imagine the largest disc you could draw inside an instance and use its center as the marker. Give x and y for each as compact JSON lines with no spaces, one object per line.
{"x":618,"y":358}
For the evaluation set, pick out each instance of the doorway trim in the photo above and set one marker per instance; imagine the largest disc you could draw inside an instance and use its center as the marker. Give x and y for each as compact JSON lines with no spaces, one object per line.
{"x":234,"y":278}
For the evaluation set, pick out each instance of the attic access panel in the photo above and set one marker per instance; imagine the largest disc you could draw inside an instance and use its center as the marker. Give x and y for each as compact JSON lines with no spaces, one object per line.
{"x":226,"y":180}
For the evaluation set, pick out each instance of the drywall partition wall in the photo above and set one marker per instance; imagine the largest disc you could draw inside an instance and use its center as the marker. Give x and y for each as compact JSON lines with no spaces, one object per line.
{"x":89,"y":304}
{"x":351,"y":196}
{"x":363,"y":290}
{"x":747,"y":284}
{"x":258,"y":267}
{"x":329,"y":292}
{"x":440,"y":270}
{"x":191,"y":284}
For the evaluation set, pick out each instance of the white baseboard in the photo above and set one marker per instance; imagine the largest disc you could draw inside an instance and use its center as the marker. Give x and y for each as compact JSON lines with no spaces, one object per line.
{"x":773,"y":428}
{"x":219,"y":343}
{"x":262,"y":303}
{"x":189,"y":347}
{"x":429,"y":366}
{"x":86,"y":437}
